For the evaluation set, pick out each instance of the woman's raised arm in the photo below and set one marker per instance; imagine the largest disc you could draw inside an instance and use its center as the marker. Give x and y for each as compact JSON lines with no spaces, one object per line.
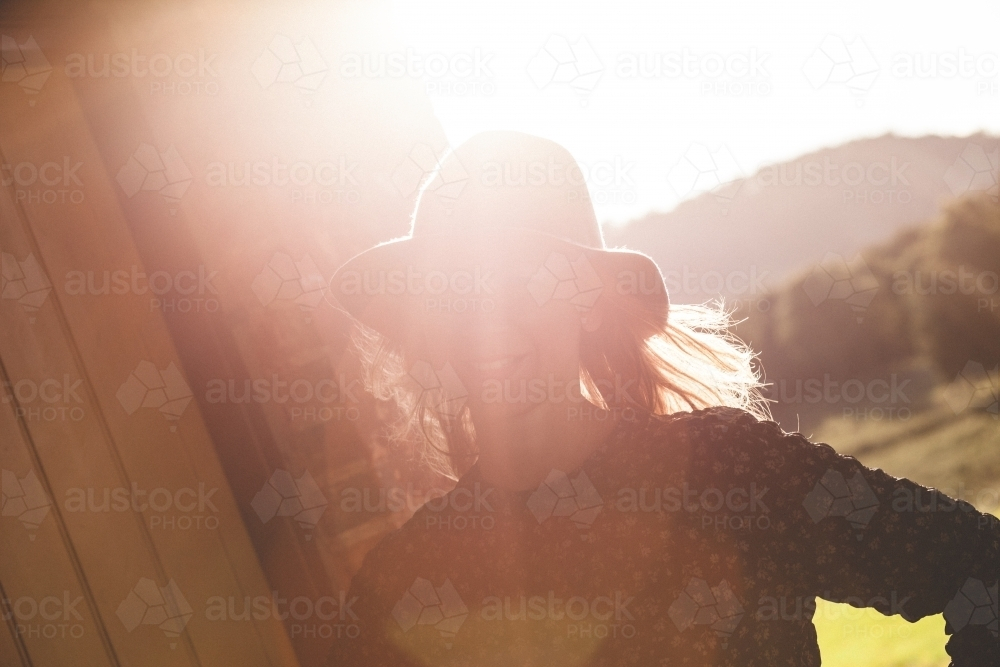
{"x":848,"y":533}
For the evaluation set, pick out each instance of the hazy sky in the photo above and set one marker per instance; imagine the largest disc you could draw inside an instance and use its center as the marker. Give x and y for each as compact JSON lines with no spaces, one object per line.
{"x":662,"y":100}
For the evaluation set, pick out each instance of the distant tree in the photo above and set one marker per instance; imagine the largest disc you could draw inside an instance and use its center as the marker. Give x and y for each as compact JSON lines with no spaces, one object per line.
{"x":937,"y":300}
{"x":956,"y":286}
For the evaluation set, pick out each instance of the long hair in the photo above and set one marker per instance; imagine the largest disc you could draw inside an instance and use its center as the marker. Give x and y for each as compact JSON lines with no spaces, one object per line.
{"x":690,"y":362}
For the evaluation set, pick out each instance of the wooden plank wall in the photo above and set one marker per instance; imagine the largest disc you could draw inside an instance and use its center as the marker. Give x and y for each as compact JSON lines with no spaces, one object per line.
{"x":83,"y":412}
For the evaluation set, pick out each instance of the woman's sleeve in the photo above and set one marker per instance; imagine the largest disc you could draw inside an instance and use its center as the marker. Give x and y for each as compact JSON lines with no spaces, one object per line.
{"x":854,"y":534}
{"x":365,"y":641}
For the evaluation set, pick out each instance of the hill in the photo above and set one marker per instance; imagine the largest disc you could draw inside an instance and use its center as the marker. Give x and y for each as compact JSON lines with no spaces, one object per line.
{"x":790,"y":215}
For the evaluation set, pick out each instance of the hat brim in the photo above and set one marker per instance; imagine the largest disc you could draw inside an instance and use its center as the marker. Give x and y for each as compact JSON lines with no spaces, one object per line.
{"x":379,"y":285}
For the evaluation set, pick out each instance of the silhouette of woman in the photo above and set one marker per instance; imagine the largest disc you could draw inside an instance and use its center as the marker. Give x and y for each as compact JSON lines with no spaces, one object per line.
{"x":621,"y":497}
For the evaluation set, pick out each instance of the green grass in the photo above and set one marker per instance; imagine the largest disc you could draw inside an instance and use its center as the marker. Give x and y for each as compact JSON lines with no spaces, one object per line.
{"x":850,"y":637}
{"x":935,"y":448}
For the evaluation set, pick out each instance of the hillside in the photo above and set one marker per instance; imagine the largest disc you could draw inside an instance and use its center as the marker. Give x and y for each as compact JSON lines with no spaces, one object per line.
{"x":788,"y":216}
{"x":917,"y":312}
{"x":906,"y":382}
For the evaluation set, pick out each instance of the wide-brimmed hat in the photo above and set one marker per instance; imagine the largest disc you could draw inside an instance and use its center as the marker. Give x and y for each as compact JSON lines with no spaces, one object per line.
{"x":503,"y":211}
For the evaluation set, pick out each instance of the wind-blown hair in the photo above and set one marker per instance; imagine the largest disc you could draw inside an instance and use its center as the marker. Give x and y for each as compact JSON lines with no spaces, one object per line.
{"x":690,"y":362}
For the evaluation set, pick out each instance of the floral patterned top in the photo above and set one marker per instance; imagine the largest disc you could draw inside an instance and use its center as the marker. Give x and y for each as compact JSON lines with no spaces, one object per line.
{"x":698,"y":538}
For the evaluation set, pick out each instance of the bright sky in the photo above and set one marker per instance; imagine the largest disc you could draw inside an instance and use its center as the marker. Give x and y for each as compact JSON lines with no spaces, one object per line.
{"x":813,"y":85}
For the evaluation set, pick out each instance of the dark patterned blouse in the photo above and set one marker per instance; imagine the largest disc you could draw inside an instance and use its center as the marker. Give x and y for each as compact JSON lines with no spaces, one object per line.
{"x":697,"y":538}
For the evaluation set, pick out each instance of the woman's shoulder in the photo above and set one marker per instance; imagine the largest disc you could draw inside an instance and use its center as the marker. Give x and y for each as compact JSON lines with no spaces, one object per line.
{"x":395,"y":561}
{"x":710,"y":423}
{"x":719,"y":435}
{"x":717,"y":414}
{"x":717,"y":422}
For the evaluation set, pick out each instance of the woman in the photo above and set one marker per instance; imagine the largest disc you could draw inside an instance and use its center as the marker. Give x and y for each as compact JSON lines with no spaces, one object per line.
{"x":621,"y":498}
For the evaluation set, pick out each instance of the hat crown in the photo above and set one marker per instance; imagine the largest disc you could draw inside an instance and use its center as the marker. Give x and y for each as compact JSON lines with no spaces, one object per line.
{"x":508,"y":180}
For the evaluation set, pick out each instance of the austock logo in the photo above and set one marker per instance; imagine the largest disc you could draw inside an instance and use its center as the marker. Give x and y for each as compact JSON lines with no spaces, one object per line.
{"x":59,"y":397}
{"x":308,"y":182}
{"x":836,"y":496}
{"x":561,"y":279}
{"x":23,"y":64}
{"x":49,"y":182}
{"x":437,"y":606}
{"x":960,"y":499}
{"x":587,"y":617}
{"x":975,"y":387}
{"x":261,"y":173}
{"x":25,"y":282}
{"x":737,"y":73}
{"x":602,"y":181}
{"x":834,"y":279}
{"x":185,"y":508}
{"x":703,"y":170}
{"x":701,"y":604}
{"x":447,"y":177}
{"x":286,"y":280}
{"x":150,"y":170}
{"x":24,"y":498}
{"x":456,"y":291}
{"x":799,"y":608}
{"x":836,"y":62}
{"x":977,"y":169}
{"x":830,"y":174}
{"x":180,"y":291}
{"x":974,"y":604}
{"x":147,"y":387}
{"x":459,"y":73}
{"x":416,"y":65}
{"x":948,"y":282}
{"x":739,"y":288}
{"x":283,"y":495}
{"x":568,"y":392}
{"x":322,"y":182}
{"x":32,"y":617}
{"x":173,"y":74}
{"x":284,"y":61}
{"x":738,"y":508}
{"x":326,"y":399}
{"x":560,"y":496}
{"x":876,"y":399}
{"x":440,"y":391}
{"x":324,"y":617}
{"x":460,"y":509}
{"x":162,"y":606}
{"x":135,"y":64}
{"x":946,"y":65}
{"x":872,"y":182}
{"x":560,"y":61}
{"x":981,"y":67}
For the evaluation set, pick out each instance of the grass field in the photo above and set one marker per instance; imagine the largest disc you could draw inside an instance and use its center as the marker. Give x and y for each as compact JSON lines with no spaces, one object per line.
{"x":850,"y":637}
{"x":935,"y":448}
